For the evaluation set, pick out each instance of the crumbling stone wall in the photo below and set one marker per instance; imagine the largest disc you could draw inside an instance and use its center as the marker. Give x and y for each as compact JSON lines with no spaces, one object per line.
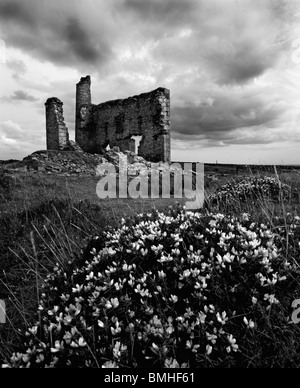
{"x":56,"y":131}
{"x":114,"y":122}
{"x":83,"y":129}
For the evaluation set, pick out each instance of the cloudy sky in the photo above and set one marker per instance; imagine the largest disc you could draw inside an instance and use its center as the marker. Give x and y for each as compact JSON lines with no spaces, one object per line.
{"x":232,"y":66}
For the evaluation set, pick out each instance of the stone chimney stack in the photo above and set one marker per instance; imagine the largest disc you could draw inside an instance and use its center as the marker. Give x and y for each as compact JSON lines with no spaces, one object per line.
{"x":83,"y":109}
{"x":56,"y":130}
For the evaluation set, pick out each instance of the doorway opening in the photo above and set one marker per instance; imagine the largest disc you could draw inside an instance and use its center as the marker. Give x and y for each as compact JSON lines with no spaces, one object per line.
{"x":137,"y":140}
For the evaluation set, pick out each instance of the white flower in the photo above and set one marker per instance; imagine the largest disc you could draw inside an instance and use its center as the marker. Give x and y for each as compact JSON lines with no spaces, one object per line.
{"x":186,"y":273}
{"x":117,"y":328}
{"x":110,"y":364}
{"x":78,"y":288}
{"x":33,"y":330}
{"x":111,"y":251}
{"x":211,"y":337}
{"x":222,"y":319}
{"x":232,"y":342}
{"x":271,"y":298}
{"x":144,"y":251}
{"x":114,"y":302}
{"x":250,"y":324}
{"x":57,"y":347}
{"x":155,"y":348}
{"x":81,"y":342}
{"x":171,"y":363}
{"x":228,"y":257}
{"x":116,"y":350}
{"x":173,"y":298}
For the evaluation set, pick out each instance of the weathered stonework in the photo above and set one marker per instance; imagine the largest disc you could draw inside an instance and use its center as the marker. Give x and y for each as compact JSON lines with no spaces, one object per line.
{"x":56,"y":130}
{"x":114,"y":122}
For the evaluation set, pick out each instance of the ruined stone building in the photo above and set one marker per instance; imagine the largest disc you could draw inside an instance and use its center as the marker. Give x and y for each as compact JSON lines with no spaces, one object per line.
{"x":57,"y":135}
{"x":115,"y":123}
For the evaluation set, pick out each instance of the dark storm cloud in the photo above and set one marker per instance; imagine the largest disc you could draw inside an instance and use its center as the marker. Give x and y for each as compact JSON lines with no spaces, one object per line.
{"x":19,"y":95}
{"x":234,"y":42}
{"x":18,"y":13}
{"x":57,"y":36}
{"x":241,"y":62}
{"x":249,"y":39}
{"x":223,"y":121}
{"x":81,"y":43}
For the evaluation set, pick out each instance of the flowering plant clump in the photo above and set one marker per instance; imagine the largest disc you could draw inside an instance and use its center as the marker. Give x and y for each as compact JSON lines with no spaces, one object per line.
{"x":180,"y":289}
{"x":252,"y":188}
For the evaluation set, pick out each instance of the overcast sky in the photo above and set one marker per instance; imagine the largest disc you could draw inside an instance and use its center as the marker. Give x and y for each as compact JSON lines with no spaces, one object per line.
{"x":232,"y":66}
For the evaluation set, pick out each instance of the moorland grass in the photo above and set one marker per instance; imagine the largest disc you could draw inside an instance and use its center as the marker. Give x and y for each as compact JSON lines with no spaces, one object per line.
{"x":167,"y":288}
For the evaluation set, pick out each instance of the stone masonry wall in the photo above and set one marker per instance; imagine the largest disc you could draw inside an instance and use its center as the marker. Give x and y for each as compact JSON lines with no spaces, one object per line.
{"x":83,"y":133}
{"x":56,"y":131}
{"x":114,"y":122}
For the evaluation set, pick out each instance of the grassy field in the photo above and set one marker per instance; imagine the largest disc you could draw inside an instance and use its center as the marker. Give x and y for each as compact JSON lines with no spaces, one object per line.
{"x":45,"y":219}
{"x":47,"y":222}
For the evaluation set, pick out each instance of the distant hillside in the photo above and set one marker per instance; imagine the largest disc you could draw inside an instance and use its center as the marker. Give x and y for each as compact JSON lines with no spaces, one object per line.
{"x":223,"y":168}
{"x":82,"y":162}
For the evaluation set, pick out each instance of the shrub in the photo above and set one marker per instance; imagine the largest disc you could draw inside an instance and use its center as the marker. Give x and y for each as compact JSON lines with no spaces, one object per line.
{"x":168,"y":290}
{"x":251,"y":189}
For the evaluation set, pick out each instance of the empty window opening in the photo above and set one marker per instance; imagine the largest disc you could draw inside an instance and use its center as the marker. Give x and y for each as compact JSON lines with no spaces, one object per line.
{"x":137,"y":140}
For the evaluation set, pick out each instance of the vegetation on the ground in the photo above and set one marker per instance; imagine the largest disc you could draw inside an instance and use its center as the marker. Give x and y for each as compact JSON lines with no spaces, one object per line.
{"x":168,"y":288}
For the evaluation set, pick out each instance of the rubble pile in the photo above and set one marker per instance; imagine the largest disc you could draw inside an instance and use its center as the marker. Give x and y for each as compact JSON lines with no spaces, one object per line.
{"x":72,"y":160}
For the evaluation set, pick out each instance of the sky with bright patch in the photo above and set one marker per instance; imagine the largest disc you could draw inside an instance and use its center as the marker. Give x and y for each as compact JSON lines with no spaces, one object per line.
{"x":232,"y":66}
